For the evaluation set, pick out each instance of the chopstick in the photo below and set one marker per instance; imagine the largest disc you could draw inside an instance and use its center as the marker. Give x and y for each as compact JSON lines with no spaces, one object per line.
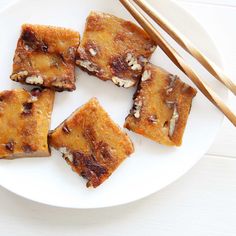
{"x":178,"y":61}
{"x":187,"y":45}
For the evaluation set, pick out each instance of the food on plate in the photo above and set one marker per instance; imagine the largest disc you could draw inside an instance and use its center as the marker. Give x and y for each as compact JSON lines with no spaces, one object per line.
{"x":114,"y":49}
{"x":91,"y":143}
{"x":45,"y":56}
{"x":25,"y":120}
{"x":161,"y":106}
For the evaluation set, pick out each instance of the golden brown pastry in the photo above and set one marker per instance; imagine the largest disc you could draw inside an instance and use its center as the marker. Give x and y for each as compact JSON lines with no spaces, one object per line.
{"x":161,"y":107}
{"x":25,"y":121}
{"x":45,"y":56}
{"x":114,"y":49}
{"x":91,"y":143}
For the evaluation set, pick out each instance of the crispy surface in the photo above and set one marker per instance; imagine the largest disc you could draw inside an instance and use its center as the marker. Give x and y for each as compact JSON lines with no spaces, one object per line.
{"x":93,"y":149}
{"x":114,"y":49}
{"x":161,"y":107}
{"x":45,"y":56}
{"x":25,"y":120}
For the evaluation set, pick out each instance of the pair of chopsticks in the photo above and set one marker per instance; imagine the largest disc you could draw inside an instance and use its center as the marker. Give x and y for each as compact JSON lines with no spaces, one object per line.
{"x":176,"y":57}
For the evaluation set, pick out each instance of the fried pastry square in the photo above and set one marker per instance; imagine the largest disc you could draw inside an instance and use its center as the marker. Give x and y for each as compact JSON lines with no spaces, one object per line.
{"x":25,"y":121}
{"x":91,"y":143}
{"x":114,"y":49}
{"x":45,"y":56}
{"x":161,"y":107}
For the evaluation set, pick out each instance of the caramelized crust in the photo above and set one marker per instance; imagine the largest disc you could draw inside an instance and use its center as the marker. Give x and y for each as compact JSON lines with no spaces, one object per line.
{"x":114,"y":49}
{"x":161,"y":107}
{"x":91,"y":143}
{"x":45,"y":56}
{"x":25,"y":118}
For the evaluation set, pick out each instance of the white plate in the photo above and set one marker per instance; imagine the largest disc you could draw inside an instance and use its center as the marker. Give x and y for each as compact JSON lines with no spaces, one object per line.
{"x":152,"y":166}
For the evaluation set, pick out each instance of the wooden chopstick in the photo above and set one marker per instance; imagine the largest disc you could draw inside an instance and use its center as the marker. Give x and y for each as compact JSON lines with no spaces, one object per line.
{"x":178,"y":61}
{"x":187,"y":45}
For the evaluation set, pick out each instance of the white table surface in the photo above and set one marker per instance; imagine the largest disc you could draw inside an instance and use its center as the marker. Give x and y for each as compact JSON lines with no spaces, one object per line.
{"x":203,"y":202}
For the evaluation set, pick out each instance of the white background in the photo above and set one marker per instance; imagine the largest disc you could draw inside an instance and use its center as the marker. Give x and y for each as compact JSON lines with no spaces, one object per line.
{"x":203,"y":202}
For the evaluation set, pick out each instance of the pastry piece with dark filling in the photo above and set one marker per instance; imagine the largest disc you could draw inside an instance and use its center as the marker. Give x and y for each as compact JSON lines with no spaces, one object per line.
{"x":91,"y":143}
{"x":114,"y":49}
{"x":25,"y":121}
{"x":161,"y":107}
{"x":45,"y":56}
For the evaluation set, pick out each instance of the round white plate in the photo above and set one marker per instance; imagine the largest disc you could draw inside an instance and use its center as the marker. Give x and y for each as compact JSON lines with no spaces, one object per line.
{"x":152,"y":166}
